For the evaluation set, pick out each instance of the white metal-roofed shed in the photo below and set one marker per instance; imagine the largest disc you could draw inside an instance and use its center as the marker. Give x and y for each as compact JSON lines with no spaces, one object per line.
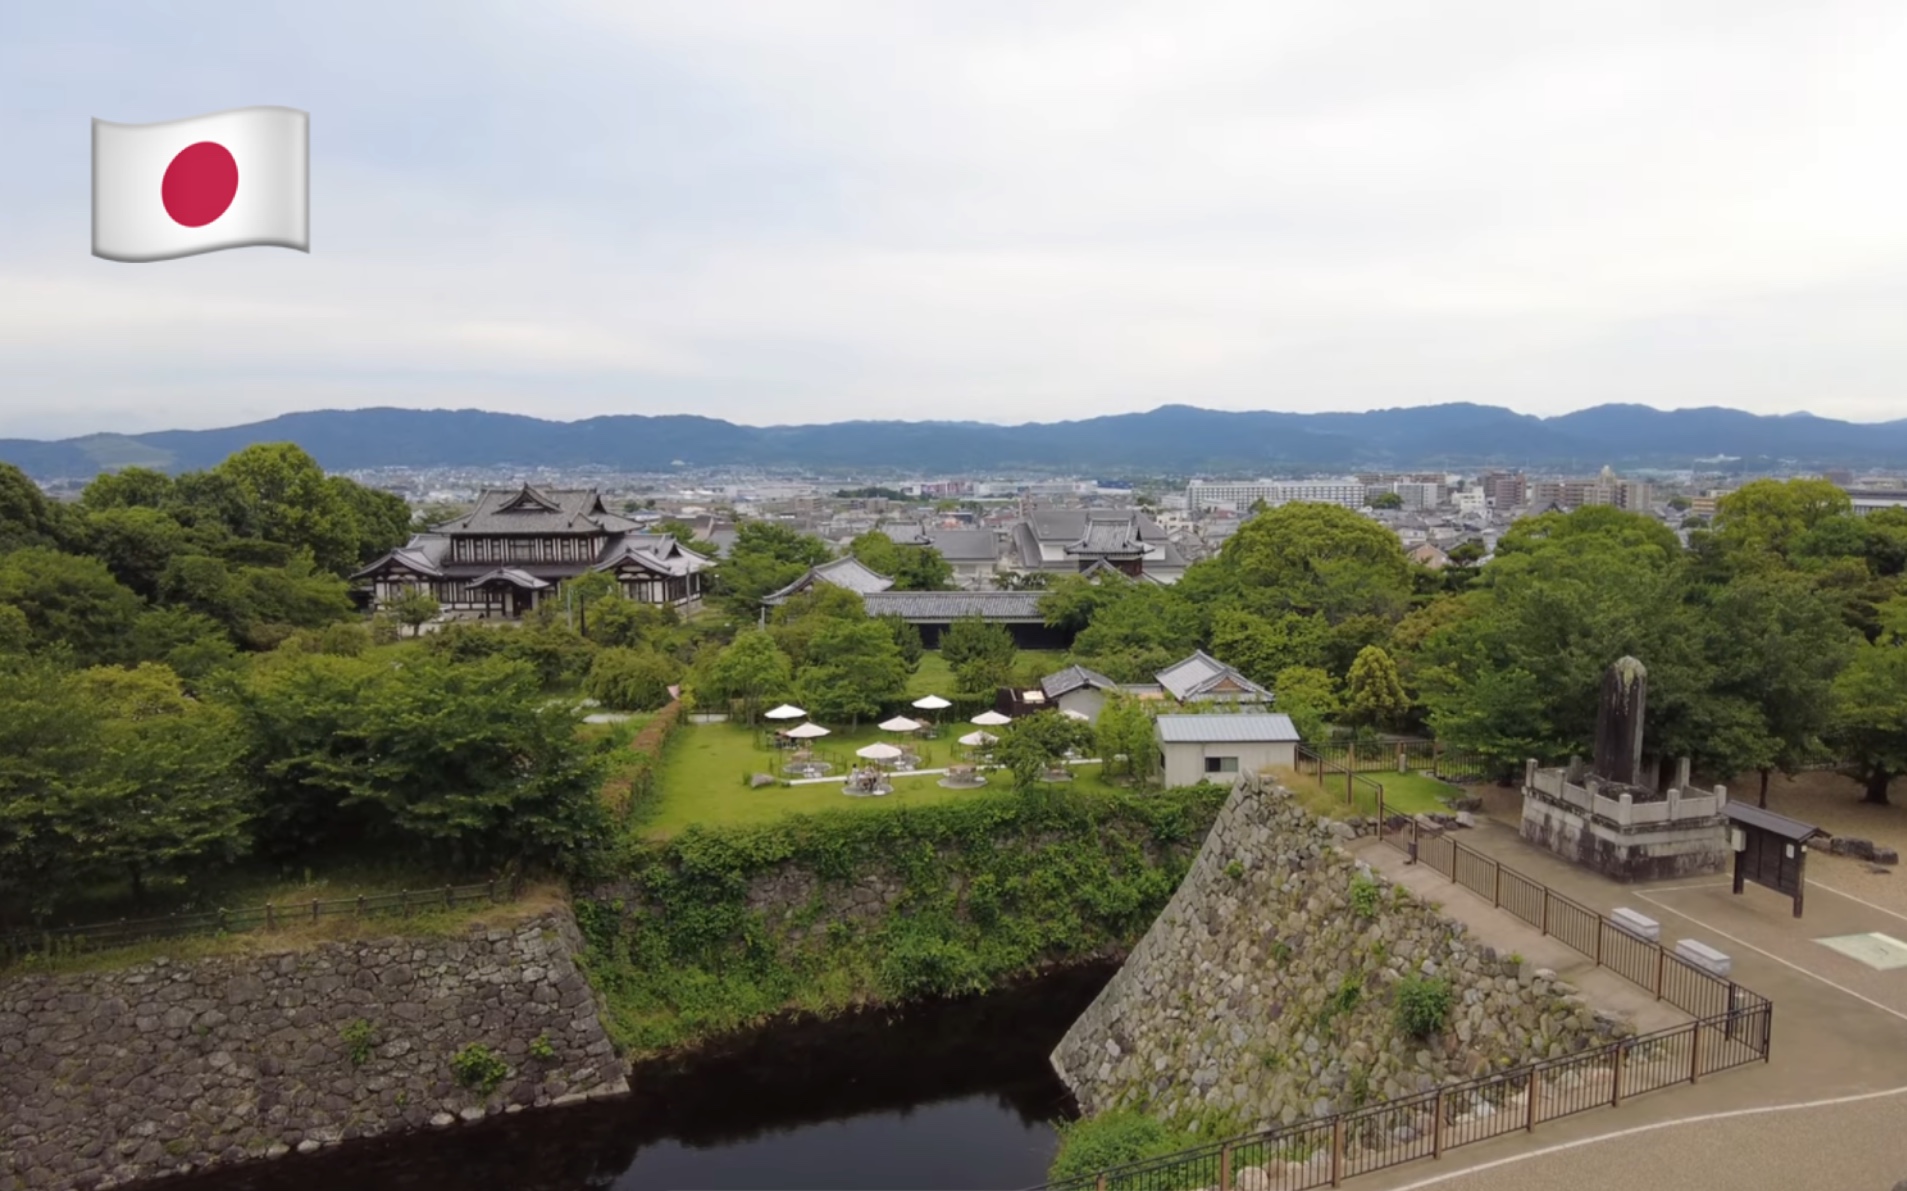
{"x":1218,"y":747}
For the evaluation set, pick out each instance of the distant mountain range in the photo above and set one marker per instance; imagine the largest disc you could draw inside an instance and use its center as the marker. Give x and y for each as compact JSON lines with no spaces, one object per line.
{"x":1173,"y":439}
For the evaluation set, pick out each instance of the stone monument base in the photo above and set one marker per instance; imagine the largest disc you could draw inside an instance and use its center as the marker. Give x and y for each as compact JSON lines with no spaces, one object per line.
{"x":1682,"y":835}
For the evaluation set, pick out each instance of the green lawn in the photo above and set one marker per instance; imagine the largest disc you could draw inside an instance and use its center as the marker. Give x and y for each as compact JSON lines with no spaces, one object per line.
{"x":935,"y":678}
{"x":1404,"y":793}
{"x":705,"y":766}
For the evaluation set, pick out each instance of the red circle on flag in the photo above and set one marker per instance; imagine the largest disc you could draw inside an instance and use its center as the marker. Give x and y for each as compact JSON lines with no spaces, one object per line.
{"x":199,"y":184}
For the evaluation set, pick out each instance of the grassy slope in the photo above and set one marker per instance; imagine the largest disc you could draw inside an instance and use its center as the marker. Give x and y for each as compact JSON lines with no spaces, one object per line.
{"x":992,"y":887}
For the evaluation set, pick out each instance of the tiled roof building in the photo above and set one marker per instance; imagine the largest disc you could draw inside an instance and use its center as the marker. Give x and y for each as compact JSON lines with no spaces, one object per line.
{"x":509,"y":552}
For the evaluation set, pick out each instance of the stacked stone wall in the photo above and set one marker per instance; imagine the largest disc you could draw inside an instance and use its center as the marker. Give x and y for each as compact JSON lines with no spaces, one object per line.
{"x":167,"y":1067}
{"x":1265,"y":993}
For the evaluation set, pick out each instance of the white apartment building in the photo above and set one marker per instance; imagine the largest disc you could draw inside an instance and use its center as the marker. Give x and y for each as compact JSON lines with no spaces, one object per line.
{"x":1200,"y":495}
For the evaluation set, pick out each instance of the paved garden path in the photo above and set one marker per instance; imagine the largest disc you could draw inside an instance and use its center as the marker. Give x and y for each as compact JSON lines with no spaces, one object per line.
{"x":1840,"y":1030}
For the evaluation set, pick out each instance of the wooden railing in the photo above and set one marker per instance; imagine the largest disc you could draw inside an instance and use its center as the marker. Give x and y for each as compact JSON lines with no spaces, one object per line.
{"x":75,"y":940}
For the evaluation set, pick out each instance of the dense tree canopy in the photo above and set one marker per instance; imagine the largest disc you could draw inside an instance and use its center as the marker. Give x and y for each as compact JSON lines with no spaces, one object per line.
{"x":912,"y":566}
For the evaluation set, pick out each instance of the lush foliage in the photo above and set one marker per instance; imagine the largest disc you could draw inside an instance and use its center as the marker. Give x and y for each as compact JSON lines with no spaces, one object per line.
{"x":1110,"y":1139}
{"x":478,"y":1068}
{"x":976,"y":892}
{"x":631,"y":679}
{"x":766,"y":556}
{"x":1422,"y":1005}
{"x":1033,"y":745}
{"x":912,"y":566}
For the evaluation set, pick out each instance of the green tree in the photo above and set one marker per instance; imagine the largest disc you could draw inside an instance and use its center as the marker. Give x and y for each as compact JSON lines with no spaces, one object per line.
{"x":136,"y":543}
{"x":1768,"y":517}
{"x":381,"y":520}
{"x":912,"y":566}
{"x":1034,"y":744}
{"x":414,"y":607}
{"x":1310,"y":697}
{"x":1868,"y":729}
{"x":795,"y":623}
{"x":27,"y":518}
{"x":48,"y":741}
{"x":164,"y":794}
{"x":1308,"y":558}
{"x":1777,"y":644}
{"x":765,"y":557}
{"x":1373,"y":693}
{"x":630,"y":623}
{"x":190,"y":644}
{"x":286,"y":499}
{"x":1386,"y":500}
{"x":907,"y":639}
{"x":631,"y":679}
{"x":1140,"y":621}
{"x":127,"y":488}
{"x":855,"y":670}
{"x":467,"y":763}
{"x":970,"y":638}
{"x":1124,"y":737}
{"x":1263,"y":646}
{"x":1516,"y":671}
{"x":752,"y":670}
{"x":69,"y":600}
{"x":575,"y":596}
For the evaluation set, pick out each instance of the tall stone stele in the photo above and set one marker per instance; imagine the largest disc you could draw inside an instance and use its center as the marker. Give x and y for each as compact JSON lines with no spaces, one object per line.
{"x":1625,"y":691}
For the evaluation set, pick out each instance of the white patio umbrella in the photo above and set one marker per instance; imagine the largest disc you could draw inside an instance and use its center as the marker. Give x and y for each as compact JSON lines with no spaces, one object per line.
{"x":787,"y":711}
{"x":878,"y":752}
{"x":901,"y":723}
{"x":990,"y":719}
{"x":1071,"y":714}
{"x":974,"y":740}
{"x":932,"y":703}
{"x":807,"y":732}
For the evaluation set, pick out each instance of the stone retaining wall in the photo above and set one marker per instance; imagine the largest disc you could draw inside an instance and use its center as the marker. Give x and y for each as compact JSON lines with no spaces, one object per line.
{"x":1264,"y":995}
{"x":162,"y":1067}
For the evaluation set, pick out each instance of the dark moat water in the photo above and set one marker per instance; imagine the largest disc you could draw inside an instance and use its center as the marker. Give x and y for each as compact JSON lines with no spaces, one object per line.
{"x":951,"y":1095}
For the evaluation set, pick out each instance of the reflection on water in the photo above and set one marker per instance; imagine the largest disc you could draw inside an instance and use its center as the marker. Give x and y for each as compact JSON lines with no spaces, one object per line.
{"x":953,"y":1095}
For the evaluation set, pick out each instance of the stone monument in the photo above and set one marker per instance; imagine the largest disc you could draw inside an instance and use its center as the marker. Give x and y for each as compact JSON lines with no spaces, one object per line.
{"x":1610,"y":815}
{"x":1625,"y":696}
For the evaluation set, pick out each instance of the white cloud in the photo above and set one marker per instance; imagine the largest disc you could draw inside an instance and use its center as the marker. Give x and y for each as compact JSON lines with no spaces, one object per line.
{"x":777,"y":212}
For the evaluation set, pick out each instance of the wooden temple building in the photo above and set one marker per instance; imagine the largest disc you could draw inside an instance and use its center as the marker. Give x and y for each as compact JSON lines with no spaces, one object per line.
{"x":510,"y":552}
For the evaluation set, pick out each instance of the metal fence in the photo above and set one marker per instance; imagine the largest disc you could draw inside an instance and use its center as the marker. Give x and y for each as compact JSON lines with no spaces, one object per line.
{"x":1324,"y":1152}
{"x":1361,"y":795}
{"x":1643,"y":962}
{"x":1733,"y":1026}
{"x":102,"y":936}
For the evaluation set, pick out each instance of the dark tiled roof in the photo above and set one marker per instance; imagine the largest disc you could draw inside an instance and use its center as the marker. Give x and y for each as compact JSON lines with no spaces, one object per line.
{"x":1072,"y":678}
{"x":528,"y":510}
{"x":937,"y":607}
{"x":965,"y":545}
{"x":1110,"y":536}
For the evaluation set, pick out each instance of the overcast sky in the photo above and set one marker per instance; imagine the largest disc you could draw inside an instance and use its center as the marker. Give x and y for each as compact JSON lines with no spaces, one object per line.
{"x":798,"y":211}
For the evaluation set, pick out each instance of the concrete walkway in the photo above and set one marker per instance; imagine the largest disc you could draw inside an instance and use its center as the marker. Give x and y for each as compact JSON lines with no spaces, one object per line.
{"x":1840,"y":1029}
{"x":1511,"y":936}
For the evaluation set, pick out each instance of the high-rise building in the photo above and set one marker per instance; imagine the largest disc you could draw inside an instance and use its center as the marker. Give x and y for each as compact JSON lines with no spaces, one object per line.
{"x":1504,"y":489}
